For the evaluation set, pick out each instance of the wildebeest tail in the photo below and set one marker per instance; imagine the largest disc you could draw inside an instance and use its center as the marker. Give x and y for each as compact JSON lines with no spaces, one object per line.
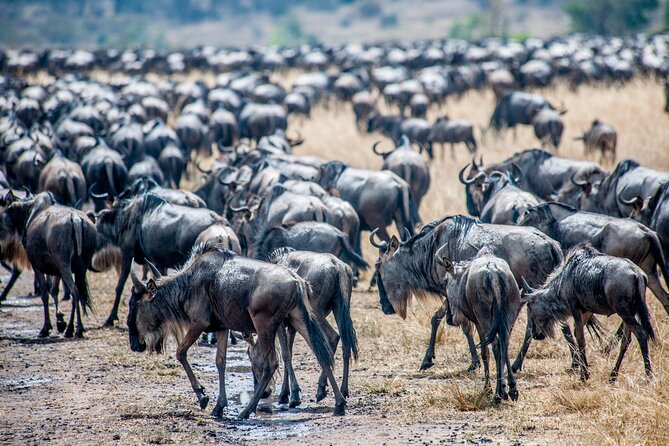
{"x":71,"y":198}
{"x":317,"y":339}
{"x":658,"y":252}
{"x":642,"y":308}
{"x":342,"y":310}
{"x":349,"y":255}
{"x":499,"y":327}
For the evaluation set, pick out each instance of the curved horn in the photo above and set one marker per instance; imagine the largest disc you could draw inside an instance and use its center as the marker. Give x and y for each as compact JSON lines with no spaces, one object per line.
{"x":239,"y":209}
{"x":461,"y":176}
{"x":407,"y":234}
{"x":154,"y":270}
{"x":441,"y":253}
{"x":383,"y":245}
{"x":37,"y":161}
{"x":518,"y":172}
{"x":139,"y":286}
{"x":380,"y":153}
{"x":497,"y":173}
{"x":226,"y":183}
{"x":576,"y":183}
{"x":94,"y":195}
{"x":632,"y":202}
{"x":28,"y":192}
{"x":204,"y":171}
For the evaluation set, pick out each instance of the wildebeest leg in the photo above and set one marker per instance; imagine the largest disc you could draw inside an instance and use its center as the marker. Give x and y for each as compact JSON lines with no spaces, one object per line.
{"x":287,"y":337}
{"x":12,"y":280}
{"x":615,"y":339}
{"x":46,"y":328}
{"x":485,"y":355}
{"x":285,"y":385}
{"x":513,"y":390}
{"x":580,"y":339}
{"x":500,"y":386}
{"x":624,"y":344}
{"x":436,"y":321}
{"x":66,"y":275}
{"x":126,"y":265}
{"x":573,"y":350}
{"x":270,"y":364}
{"x":476,"y":361}
{"x":82,"y":291}
{"x":656,"y":287}
{"x":527,"y":340}
{"x":333,"y":339}
{"x":221,"y":351}
{"x":191,"y":337}
{"x":643,"y":345}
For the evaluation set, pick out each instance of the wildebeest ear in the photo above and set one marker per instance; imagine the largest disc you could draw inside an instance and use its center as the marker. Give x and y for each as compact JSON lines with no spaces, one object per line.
{"x":151,"y":287}
{"x":91,"y":216}
{"x":8,"y":199}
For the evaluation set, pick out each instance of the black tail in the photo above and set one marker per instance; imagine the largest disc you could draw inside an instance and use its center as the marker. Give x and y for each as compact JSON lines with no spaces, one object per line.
{"x":342,"y":311}
{"x":78,"y":239}
{"x":499,"y":327}
{"x":656,"y":246}
{"x":349,"y":255}
{"x":642,"y":309}
{"x":318,"y":340}
{"x":595,"y":328}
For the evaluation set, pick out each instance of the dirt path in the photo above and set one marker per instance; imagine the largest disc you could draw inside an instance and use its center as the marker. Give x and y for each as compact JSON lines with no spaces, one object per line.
{"x":96,"y":390}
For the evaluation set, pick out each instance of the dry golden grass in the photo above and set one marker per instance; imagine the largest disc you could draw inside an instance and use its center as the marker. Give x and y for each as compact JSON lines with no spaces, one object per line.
{"x":554,"y":406}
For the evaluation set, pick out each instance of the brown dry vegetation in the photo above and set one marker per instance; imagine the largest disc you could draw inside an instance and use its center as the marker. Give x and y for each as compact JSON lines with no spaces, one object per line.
{"x":96,"y":390}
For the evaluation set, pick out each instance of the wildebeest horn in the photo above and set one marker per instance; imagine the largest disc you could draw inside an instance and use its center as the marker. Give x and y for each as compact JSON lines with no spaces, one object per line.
{"x":139,"y":286}
{"x":154,"y":270}
{"x":579,"y":184}
{"x":461,"y":176}
{"x":231,"y":183}
{"x":519,"y":171}
{"x":497,"y":173}
{"x":440,"y":255}
{"x":526,"y":286}
{"x":407,"y":234}
{"x":633,"y":202}
{"x":383,"y":245}
{"x":37,"y":161}
{"x":94,"y":195}
{"x":204,"y":171}
{"x":380,"y":153}
{"x":473,"y":246}
{"x":239,"y":209}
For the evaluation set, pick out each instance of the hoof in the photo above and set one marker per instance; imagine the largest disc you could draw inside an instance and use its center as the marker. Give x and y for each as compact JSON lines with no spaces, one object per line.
{"x":340,"y":409}
{"x":344,"y":392}
{"x":294,"y":403}
{"x":79,"y":334}
{"x":515,"y":368}
{"x":109,"y":322}
{"x":321,"y":394}
{"x":217,"y":412}
{"x":473,"y":366}
{"x":496,"y":400}
{"x":44,"y":333}
{"x":61,"y":325}
{"x":426,"y":365}
{"x":513,"y":394}
{"x":69,"y":333}
{"x":204,"y":402}
{"x":283,"y":399}
{"x":244,"y":415}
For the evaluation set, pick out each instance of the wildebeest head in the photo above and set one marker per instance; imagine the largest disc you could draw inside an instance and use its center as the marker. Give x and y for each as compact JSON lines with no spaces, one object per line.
{"x":542,"y":319}
{"x":146,"y":329}
{"x":537,"y":217}
{"x":257,"y":358}
{"x":474,"y":184}
{"x":329,"y":172}
{"x":393,"y":290}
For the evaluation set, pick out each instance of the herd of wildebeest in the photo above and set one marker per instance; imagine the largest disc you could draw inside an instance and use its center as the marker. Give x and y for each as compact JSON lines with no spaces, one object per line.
{"x":268,"y":243}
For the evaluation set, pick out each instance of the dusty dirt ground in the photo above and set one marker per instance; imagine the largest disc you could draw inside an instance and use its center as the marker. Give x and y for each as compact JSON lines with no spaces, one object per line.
{"x":93,"y":391}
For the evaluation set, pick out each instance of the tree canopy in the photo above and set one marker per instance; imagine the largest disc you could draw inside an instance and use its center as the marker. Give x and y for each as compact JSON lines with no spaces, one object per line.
{"x":610,"y":17}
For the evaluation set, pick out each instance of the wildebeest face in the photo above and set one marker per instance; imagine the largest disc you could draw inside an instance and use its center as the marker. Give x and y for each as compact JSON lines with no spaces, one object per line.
{"x":532,"y":218}
{"x":257,"y":358}
{"x":145,"y":328}
{"x":541,"y":320}
{"x":394,"y":292}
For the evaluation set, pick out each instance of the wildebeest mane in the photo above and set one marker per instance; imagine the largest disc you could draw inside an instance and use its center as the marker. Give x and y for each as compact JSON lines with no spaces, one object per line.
{"x":658,"y":197}
{"x":278,"y":254}
{"x":621,"y":169}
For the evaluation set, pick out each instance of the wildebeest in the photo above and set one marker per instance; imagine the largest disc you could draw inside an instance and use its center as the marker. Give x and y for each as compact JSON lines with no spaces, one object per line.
{"x":307,"y":236}
{"x":406,"y":268}
{"x":379,"y":198}
{"x":484,"y":292}
{"x":589,"y":282}
{"x":104,"y":168}
{"x":65,"y":180}
{"x":548,"y":127}
{"x":173,"y":196}
{"x":600,"y":137}
{"x":331,"y":284}
{"x":147,"y":227}
{"x":408,"y":165}
{"x":59,"y":241}
{"x":363,"y":106}
{"x":538,"y":171}
{"x":447,"y":130}
{"x":629,"y":176}
{"x":518,"y":107}
{"x":502,"y":201}
{"x":222,"y":235}
{"x":212,"y":293}
{"x":620,"y":237}
{"x":173,"y":164}
{"x":258,"y":120}
{"x":654,"y":213}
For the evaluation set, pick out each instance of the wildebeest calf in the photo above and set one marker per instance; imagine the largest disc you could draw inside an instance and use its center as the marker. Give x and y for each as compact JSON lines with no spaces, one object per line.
{"x":600,"y":137}
{"x":216,"y":291}
{"x":484,"y":292}
{"x":589,"y":282}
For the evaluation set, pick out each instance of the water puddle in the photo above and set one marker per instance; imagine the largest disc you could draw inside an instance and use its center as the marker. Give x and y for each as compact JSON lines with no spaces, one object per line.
{"x":14,"y":384}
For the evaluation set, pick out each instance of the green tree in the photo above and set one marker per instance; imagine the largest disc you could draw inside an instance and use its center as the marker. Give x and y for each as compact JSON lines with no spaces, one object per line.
{"x":610,"y":17}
